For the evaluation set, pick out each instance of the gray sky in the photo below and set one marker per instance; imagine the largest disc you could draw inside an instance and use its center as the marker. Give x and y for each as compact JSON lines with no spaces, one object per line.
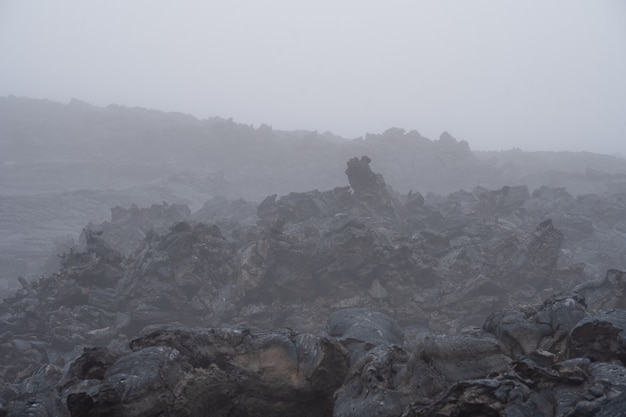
{"x":534,"y":74}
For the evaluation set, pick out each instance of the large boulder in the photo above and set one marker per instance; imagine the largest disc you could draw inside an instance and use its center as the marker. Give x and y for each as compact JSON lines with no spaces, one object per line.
{"x":601,"y":337}
{"x":361,"y":329}
{"x":370,"y":187}
{"x":223,"y":372}
{"x":606,"y":293}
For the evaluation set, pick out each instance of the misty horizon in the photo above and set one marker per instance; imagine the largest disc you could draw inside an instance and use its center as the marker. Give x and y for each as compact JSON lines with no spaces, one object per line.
{"x":539,"y":77}
{"x":313,"y":209}
{"x":362,"y":136}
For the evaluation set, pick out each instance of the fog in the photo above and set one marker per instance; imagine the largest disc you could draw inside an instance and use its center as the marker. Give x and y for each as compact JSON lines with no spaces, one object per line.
{"x":306,"y":209}
{"x":534,"y":75}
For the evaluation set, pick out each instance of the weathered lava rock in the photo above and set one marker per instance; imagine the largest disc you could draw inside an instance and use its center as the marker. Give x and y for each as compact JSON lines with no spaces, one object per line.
{"x":217,"y":371}
{"x":351,"y":302}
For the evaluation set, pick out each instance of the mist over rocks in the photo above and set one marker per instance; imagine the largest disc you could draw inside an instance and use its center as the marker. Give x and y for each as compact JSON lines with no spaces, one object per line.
{"x":117,"y":147}
{"x":64,"y":165}
{"x":356,"y":301}
{"x":415,"y":277}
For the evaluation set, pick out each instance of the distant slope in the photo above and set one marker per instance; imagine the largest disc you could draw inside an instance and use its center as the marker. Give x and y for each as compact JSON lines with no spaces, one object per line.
{"x":579,"y":172}
{"x":62,"y":165}
{"x":127,"y":145}
{"x":48,"y":146}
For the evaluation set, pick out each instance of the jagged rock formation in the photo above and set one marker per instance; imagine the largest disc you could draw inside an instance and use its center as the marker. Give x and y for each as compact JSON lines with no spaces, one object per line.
{"x":137,"y":156}
{"x":358,"y":301}
{"x":129,"y":227}
{"x":218,"y":371}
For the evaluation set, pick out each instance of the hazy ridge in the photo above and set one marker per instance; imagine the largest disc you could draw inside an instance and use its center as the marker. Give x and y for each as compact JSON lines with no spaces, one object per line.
{"x":362,"y":298}
{"x":63,"y":165}
{"x":116,"y":147}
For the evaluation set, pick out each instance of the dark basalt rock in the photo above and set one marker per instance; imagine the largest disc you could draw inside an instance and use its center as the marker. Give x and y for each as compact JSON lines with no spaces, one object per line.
{"x":351,"y":302}
{"x":376,"y":385}
{"x":474,"y":398}
{"x":129,"y":227}
{"x":503,"y":201}
{"x":140,"y":383}
{"x":220,"y":371}
{"x":606,"y":293}
{"x":99,"y":265}
{"x":360,"y":329}
{"x":600,"y":337}
{"x":92,"y":364}
{"x":299,"y":207}
{"x":370,"y":187}
{"x":546,"y":327}
{"x":462,"y":357}
{"x":615,"y":407}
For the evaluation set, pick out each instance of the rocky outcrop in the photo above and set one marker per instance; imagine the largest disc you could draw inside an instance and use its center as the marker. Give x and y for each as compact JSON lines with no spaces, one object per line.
{"x":220,"y":371}
{"x":369,"y":187}
{"x":352,"y":302}
{"x":129,"y":227}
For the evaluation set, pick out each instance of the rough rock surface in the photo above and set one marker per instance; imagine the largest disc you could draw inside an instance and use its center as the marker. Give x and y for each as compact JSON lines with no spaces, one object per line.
{"x":221,"y":371}
{"x":356,"y":301}
{"x":129,"y":227}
